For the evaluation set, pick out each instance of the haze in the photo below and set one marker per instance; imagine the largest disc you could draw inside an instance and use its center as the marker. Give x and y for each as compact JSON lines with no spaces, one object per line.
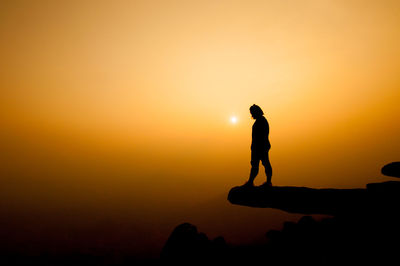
{"x":119,"y":112}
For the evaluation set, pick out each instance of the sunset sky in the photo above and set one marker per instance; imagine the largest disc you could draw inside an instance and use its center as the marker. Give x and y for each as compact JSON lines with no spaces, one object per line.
{"x":124,"y":107}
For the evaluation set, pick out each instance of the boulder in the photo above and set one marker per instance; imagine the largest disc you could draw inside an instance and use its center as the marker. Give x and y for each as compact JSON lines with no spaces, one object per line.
{"x":187,"y":245}
{"x":391,"y":169}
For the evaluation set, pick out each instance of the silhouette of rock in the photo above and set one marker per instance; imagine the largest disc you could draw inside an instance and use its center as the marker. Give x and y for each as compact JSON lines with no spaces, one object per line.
{"x":187,"y":245}
{"x":318,"y":201}
{"x":184,"y":242}
{"x":355,"y":239}
{"x":384,"y":189}
{"x":298,"y":199}
{"x":364,"y":228}
{"x":391,"y":169}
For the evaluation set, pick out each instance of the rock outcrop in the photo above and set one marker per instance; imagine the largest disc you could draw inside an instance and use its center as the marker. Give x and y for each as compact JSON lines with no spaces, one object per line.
{"x":329,"y":201}
{"x":364,"y":228}
{"x":187,"y":245}
{"x":391,"y":169}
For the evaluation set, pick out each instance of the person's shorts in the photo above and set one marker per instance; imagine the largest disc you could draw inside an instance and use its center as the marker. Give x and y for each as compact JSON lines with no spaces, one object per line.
{"x":257,"y":156}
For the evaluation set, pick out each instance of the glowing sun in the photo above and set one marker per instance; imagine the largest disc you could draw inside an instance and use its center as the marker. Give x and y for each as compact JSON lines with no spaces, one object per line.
{"x":234,"y":119}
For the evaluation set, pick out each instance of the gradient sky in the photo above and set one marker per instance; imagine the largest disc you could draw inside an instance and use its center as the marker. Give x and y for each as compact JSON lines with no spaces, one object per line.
{"x":123,"y":107}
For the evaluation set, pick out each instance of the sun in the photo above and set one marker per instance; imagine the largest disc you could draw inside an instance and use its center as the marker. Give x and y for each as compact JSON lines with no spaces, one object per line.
{"x":234,"y":119}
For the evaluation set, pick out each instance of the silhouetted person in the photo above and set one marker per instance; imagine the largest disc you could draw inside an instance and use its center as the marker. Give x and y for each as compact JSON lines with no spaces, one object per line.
{"x":260,"y":146}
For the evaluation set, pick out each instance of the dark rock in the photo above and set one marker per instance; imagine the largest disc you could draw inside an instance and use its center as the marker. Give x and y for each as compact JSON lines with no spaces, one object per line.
{"x":184,"y":243}
{"x":219,"y":242}
{"x":273,"y":234}
{"x":318,"y":201}
{"x":391,"y":169}
{"x":364,"y":229}
{"x":289,"y":227}
{"x":187,"y":245}
{"x":384,"y":188}
{"x":307,"y":222}
{"x":298,"y":199}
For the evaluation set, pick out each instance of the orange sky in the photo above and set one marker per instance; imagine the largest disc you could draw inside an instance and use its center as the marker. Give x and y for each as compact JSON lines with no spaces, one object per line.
{"x":126,"y":104}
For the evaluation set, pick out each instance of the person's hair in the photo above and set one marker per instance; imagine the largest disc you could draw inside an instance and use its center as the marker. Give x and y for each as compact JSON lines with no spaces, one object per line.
{"x":256,"y":111}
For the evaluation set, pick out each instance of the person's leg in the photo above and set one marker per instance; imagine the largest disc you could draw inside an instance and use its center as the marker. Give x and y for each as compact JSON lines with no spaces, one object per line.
{"x":268,"y":167}
{"x":255,"y":162}
{"x":253,"y":171}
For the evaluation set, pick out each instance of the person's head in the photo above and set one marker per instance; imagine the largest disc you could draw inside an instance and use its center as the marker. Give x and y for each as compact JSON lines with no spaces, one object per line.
{"x":256,"y":111}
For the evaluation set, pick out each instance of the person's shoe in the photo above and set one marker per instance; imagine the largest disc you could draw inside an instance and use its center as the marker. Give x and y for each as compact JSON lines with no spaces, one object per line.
{"x":267,"y":184}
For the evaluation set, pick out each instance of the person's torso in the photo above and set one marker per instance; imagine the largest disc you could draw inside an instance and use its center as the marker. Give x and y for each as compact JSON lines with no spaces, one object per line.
{"x":260,"y":132}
